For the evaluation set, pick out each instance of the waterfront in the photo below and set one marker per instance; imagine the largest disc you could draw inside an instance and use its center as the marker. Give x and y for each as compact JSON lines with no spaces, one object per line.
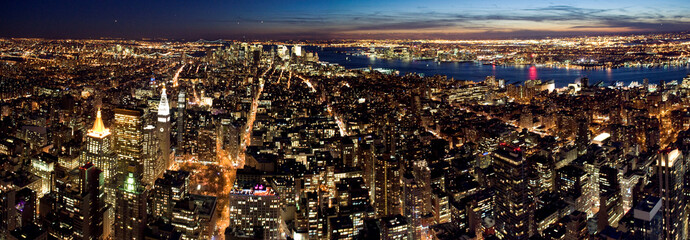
{"x":478,"y":72}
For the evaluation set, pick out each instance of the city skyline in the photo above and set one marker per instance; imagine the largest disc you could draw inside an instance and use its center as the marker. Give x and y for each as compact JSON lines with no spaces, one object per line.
{"x":294,"y":20}
{"x":345,"y":120}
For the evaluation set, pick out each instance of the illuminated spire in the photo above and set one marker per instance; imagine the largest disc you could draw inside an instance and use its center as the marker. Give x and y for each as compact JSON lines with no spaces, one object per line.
{"x":98,"y":129}
{"x":163,"y":108}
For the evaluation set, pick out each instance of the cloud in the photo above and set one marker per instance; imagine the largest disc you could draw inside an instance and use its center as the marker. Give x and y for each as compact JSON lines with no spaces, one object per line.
{"x":547,"y":21}
{"x":427,"y":21}
{"x":570,"y":10}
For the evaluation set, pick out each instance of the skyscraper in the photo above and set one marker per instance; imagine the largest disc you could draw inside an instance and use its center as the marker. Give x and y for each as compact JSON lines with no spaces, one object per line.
{"x":163,"y":126}
{"x":130,"y":209}
{"x":414,"y":204}
{"x":153,"y":165}
{"x":77,"y":210}
{"x":181,"y":104}
{"x":98,"y":150}
{"x":128,"y":144}
{"x":671,"y":172}
{"x":394,"y":228}
{"x":170,"y":188}
{"x":256,"y":209}
{"x":648,"y":220}
{"x":513,"y":203}
{"x":610,"y":207}
{"x":387,"y":186}
{"x":43,"y":166}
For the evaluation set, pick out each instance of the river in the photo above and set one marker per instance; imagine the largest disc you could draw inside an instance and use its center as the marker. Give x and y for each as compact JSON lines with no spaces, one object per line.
{"x":478,"y":72}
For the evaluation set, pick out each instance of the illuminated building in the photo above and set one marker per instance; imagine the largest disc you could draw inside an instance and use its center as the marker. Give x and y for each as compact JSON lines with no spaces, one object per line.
{"x":181,"y":111}
{"x":205,"y":214}
{"x":230,"y":135}
{"x":163,"y":125}
{"x":352,"y":200}
{"x":43,"y":166}
{"x":128,"y":135}
{"x":440,"y":207}
{"x":99,"y":152}
{"x":545,"y":169}
{"x":77,"y":209}
{"x":576,"y":226}
{"x":206,"y":144}
{"x":283,"y":52}
{"x":575,"y":186}
{"x":514,"y":205}
{"x":610,"y":207}
{"x":256,"y":209}
{"x":153,"y":165}
{"x":414,"y":204}
{"x":185,"y":218}
{"x":648,"y":223}
{"x":35,"y":136}
{"x":130,"y":208}
{"x":671,"y":172}
{"x":92,"y":208}
{"x":387,"y":186}
{"x":25,"y":205}
{"x":341,"y":228}
{"x":194,"y":216}
{"x":8,"y":212}
{"x":297,"y":50}
{"x":394,"y":228}
{"x":582,"y":139}
{"x":351,"y":192}
{"x":170,"y":188}
{"x":308,"y":224}
{"x":98,"y":149}
{"x":347,"y":153}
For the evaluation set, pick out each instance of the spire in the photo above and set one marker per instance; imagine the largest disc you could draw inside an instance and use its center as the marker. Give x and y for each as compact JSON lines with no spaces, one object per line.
{"x":99,"y":129}
{"x":163,"y":108}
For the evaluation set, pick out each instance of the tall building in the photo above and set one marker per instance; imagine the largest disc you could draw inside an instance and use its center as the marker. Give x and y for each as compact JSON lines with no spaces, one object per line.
{"x":514,"y":205}
{"x":98,"y":149}
{"x":99,"y":152}
{"x":130,"y":208}
{"x":671,"y":172}
{"x":610,"y":207}
{"x":185,"y":218}
{"x":647,"y":219}
{"x":181,"y":104}
{"x":7,"y":210}
{"x":256,"y":210}
{"x":78,"y":208}
{"x":128,"y":144}
{"x":575,"y":187}
{"x":576,"y":226}
{"x":297,"y":50}
{"x":307,"y":222}
{"x":43,"y":166}
{"x":170,"y":188}
{"x":163,"y":126}
{"x":440,"y":206}
{"x":92,"y":194}
{"x":414,"y":204}
{"x":394,"y":228}
{"x":153,"y":165}
{"x":341,"y":228}
{"x":387,"y":186}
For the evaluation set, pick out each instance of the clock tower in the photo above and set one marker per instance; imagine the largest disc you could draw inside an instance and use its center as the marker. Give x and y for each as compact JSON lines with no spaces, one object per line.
{"x":163,"y":126}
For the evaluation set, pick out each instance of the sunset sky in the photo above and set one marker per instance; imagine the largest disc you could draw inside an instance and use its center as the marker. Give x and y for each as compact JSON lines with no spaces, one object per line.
{"x":310,"y":19}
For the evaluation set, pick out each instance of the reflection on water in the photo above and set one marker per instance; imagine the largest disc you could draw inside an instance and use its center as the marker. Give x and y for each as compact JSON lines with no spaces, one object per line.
{"x":533,"y":73}
{"x":478,"y":72}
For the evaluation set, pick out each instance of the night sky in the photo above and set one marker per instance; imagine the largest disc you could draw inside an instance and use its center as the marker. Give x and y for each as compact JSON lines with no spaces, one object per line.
{"x":330,"y":19}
